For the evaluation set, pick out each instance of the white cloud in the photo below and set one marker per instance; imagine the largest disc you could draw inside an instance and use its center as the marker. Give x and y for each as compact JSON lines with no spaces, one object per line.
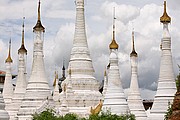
{"x":174,"y":4}
{"x":65,"y":14}
{"x":124,"y":12}
{"x":63,"y":43}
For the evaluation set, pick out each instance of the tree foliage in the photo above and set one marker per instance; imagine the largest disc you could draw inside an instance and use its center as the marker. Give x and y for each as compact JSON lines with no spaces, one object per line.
{"x":169,"y":111}
{"x":50,"y":115}
{"x":108,"y":116}
{"x":45,"y":115}
{"x":178,"y":82}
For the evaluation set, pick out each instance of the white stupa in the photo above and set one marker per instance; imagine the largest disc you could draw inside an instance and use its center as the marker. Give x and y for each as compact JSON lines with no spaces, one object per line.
{"x":3,"y":113}
{"x":84,"y":85}
{"x":134,"y":98}
{"x":8,"y":87}
{"x":114,"y":98}
{"x":166,"y":82}
{"x":20,"y":88}
{"x":37,"y":92}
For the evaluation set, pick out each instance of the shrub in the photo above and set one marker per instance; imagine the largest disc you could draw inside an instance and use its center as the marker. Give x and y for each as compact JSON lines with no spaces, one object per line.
{"x":169,"y":111}
{"x":108,"y":116}
{"x":45,"y":115}
{"x":50,"y":115}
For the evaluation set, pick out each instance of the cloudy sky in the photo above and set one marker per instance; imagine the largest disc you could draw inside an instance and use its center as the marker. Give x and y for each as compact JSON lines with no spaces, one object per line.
{"x":58,"y":17}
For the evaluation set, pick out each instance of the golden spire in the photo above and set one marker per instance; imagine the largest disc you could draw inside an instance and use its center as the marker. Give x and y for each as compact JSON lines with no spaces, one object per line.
{"x":165,"y":18}
{"x":22,"y":49}
{"x":39,"y":18}
{"x":39,"y":26}
{"x":105,"y":74}
{"x":56,"y":77}
{"x":133,"y":53}
{"x":9,"y":59}
{"x":113,"y":44}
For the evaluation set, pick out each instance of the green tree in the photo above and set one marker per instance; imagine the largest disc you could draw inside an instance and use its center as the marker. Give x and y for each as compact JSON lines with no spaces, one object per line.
{"x":50,"y":115}
{"x":169,"y":111}
{"x":178,"y":80}
{"x":70,"y":116}
{"x":45,"y":115}
{"x":109,"y":116}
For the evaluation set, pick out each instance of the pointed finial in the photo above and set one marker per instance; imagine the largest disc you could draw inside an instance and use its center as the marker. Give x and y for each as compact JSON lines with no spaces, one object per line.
{"x":56,"y":77}
{"x":114,"y":18}
{"x":105,"y":74}
{"x":39,"y":17}
{"x":22,"y":49}
{"x":63,"y":68}
{"x":165,"y":18}
{"x":56,"y":74}
{"x":133,"y":53}
{"x":39,"y":26}
{"x":133,"y":49}
{"x":9,"y":59}
{"x":113,"y":44}
{"x":23,"y":31}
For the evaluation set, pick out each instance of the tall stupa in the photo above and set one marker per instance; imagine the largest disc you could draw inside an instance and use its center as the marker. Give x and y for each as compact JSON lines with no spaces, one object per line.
{"x":80,"y":61}
{"x":37,"y":91}
{"x":134,"y":98}
{"x":20,"y":88}
{"x":114,"y":98}
{"x":8,"y":87}
{"x":166,"y":83}
{"x":84,"y":85}
{"x":3,"y":113}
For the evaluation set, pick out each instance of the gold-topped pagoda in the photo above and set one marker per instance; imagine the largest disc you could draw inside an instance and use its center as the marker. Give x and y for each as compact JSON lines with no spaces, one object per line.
{"x":55,"y":79}
{"x":22,"y":49}
{"x":9,"y":59}
{"x":165,"y":17}
{"x":39,"y":26}
{"x":113,"y":44}
{"x":105,"y":74}
{"x":133,"y":53}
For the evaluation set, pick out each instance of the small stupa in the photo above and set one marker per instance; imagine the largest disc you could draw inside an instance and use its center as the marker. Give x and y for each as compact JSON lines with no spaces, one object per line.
{"x":8,"y":87}
{"x":134,"y":98}
{"x":20,"y":88}
{"x":114,"y":98}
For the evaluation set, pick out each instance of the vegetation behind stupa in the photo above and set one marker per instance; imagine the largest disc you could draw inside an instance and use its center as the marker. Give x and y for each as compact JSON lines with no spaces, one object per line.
{"x":50,"y":115}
